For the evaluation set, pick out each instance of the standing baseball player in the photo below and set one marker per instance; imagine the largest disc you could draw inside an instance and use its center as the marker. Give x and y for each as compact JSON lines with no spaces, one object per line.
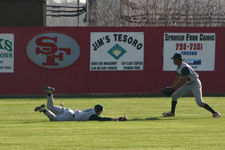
{"x":186,"y":80}
{"x":57,"y":113}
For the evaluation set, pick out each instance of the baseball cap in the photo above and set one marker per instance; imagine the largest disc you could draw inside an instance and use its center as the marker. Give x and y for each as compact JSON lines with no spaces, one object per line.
{"x":177,"y":56}
{"x":98,"y":108}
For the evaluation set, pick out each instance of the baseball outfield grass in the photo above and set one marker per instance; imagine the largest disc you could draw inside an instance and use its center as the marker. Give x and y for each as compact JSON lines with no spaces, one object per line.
{"x":193,"y":128}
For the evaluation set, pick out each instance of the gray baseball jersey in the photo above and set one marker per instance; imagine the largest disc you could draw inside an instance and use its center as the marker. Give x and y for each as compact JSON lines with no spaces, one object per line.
{"x":192,"y":84}
{"x":84,"y":115}
{"x":186,"y":70}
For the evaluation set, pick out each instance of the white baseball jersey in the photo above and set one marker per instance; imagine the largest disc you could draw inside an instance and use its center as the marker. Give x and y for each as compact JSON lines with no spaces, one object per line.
{"x":84,"y":115}
{"x":192,"y":84}
{"x":186,"y":70}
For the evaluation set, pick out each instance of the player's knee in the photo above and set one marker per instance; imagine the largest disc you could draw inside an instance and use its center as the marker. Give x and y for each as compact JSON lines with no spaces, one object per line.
{"x":174,"y":97}
{"x":201,"y":104}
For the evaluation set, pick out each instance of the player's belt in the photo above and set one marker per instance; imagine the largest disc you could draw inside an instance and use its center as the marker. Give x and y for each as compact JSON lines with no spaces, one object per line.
{"x":190,"y":82}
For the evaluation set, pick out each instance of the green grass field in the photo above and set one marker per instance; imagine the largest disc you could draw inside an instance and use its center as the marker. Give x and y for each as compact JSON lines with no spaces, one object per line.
{"x":193,"y":128}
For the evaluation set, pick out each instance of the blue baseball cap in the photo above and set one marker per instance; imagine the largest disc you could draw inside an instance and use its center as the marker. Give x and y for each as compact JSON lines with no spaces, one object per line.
{"x":177,"y":56}
{"x":98,"y":108}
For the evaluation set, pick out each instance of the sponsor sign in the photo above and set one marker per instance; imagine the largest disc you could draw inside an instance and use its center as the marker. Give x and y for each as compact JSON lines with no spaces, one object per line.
{"x":198,"y":50}
{"x":116,"y":51}
{"x":53,"y":50}
{"x":6,"y":53}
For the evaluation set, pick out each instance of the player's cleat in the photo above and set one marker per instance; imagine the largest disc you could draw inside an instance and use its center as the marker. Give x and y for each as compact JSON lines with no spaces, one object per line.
{"x":48,"y":89}
{"x":168,"y":114}
{"x":40,"y":108}
{"x":216,"y":115}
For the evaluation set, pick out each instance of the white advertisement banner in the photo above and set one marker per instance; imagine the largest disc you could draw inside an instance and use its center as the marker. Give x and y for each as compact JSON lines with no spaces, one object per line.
{"x":116,"y":51}
{"x":6,"y":53}
{"x":197,"y":49}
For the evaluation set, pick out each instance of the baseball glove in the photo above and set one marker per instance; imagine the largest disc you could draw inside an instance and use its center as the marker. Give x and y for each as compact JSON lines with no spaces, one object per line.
{"x":168,"y":91}
{"x":122,"y":118}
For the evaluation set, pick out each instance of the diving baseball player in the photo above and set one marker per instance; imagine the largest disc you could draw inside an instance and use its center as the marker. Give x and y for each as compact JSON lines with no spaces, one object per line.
{"x":186,"y":80}
{"x":57,"y":113}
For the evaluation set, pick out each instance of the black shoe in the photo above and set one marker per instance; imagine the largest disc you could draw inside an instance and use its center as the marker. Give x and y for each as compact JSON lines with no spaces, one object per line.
{"x":40,"y":108}
{"x":48,"y":90}
{"x":216,"y":115}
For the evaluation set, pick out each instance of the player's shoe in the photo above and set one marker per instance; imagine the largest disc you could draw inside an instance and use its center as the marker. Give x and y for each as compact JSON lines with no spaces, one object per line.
{"x":48,"y":90}
{"x":216,"y":115}
{"x":168,"y":114}
{"x":40,"y":108}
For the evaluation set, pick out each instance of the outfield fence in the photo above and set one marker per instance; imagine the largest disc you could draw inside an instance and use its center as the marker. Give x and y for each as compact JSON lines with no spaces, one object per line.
{"x":103,"y":60}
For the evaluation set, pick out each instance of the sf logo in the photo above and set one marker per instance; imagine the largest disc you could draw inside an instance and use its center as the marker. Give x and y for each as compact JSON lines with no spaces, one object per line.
{"x":48,"y":46}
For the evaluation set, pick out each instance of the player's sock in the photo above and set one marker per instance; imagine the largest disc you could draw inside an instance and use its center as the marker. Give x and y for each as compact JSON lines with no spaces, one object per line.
{"x":207,"y":107}
{"x":173,"y":107}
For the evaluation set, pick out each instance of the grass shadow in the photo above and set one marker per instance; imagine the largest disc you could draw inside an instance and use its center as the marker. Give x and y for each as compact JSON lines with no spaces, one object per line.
{"x":145,"y":119}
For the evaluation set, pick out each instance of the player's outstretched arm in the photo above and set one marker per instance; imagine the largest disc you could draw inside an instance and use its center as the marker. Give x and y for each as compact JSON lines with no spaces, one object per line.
{"x":98,"y":118}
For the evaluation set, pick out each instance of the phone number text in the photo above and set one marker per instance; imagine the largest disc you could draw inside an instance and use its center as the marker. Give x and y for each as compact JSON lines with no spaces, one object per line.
{"x":190,"y":46}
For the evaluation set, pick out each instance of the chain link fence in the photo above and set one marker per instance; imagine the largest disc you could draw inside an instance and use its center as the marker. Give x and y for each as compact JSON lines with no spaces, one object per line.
{"x":158,"y":13}
{"x":196,"y":13}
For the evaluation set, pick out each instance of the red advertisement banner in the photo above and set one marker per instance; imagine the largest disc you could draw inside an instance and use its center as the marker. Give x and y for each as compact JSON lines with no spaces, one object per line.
{"x":61,"y":57}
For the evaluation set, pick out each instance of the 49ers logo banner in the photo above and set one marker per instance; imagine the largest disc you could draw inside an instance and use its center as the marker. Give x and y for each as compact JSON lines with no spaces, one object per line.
{"x":53,"y":50}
